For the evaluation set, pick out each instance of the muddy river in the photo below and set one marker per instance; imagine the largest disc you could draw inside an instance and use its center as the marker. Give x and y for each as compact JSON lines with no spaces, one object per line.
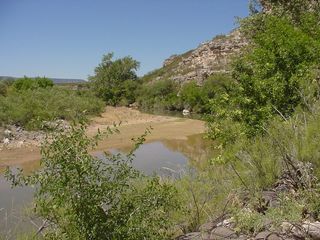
{"x":174,"y":145}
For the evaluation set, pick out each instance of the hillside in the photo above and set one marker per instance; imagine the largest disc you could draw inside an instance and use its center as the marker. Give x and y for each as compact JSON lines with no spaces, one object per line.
{"x":208,"y":58}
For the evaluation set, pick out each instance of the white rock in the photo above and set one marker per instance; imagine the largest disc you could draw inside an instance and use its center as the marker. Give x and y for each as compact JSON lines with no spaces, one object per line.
{"x":6,"y":140}
{"x":227,"y":222}
{"x":7,"y":132}
{"x":286,"y":227}
{"x":312,"y":229}
{"x":185,"y":112}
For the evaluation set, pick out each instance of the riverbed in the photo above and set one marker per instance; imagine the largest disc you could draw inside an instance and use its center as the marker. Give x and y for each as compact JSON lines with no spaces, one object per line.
{"x":173,"y":144}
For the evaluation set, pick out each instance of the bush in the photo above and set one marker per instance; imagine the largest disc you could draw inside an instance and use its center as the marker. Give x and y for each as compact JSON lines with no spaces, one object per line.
{"x":191,"y":96}
{"x":86,"y":198}
{"x":3,"y":88}
{"x":29,"y":108}
{"x":168,"y":95}
{"x":160,"y":95}
{"x":26,"y":83}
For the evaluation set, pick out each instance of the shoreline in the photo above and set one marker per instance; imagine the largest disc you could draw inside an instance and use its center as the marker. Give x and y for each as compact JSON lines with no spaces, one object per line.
{"x":133,"y":124}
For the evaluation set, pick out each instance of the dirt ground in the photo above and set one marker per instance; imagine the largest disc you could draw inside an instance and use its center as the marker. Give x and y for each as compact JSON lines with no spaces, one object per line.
{"x":133,"y":124}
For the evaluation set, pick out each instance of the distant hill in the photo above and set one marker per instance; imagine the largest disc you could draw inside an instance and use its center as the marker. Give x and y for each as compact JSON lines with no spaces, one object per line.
{"x":55,"y":80}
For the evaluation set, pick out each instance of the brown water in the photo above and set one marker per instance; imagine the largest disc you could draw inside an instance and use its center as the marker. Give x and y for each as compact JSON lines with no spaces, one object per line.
{"x":171,"y":148}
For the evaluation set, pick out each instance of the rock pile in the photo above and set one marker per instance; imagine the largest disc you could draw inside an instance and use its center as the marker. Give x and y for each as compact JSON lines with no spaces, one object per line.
{"x":224,"y":228}
{"x":289,"y":231}
{"x":13,"y":136}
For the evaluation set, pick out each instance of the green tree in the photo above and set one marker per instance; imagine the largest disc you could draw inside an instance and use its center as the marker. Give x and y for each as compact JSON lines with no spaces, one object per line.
{"x":115,"y":80}
{"x":275,"y":72}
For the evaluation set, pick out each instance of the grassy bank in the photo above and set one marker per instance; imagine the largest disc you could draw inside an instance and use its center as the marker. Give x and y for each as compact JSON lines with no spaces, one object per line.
{"x":28,"y":103}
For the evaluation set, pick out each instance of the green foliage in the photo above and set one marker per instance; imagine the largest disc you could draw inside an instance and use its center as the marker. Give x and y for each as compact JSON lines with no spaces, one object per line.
{"x":26,"y":83}
{"x":290,"y":208}
{"x":256,"y":163}
{"x":3,"y":88}
{"x":275,"y":71}
{"x":159,"y":95}
{"x":144,"y":212}
{"x":191,"y":96}
{"x":272,"y":77}
{"x":115,"y":80}
{"x":84,"y":197}
{"x":29,"y":108}
{"x":202,"y":196}
{"x":168,"y":95}
{"x":248,"y":221}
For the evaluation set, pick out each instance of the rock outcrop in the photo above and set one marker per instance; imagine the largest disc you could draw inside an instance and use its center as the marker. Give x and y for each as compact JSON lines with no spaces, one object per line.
{"x":210,"y":57}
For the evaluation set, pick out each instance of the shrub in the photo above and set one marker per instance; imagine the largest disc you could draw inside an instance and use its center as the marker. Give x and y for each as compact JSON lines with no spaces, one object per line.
{"x":168,"y":95}
{"x":30,"y":108}
{"x":160,"y":95}
{"x":3,"y":89}
{"x":26,"y":83}
{"x":191,"y":96}
{"x":86,"y":198}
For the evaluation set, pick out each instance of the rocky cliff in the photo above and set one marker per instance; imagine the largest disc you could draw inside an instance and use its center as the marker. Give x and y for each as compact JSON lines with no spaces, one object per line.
{"x":208,"y":58}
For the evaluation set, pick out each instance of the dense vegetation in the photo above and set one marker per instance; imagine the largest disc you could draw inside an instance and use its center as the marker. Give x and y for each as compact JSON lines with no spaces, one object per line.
{"x":168,"y":95}
{"x":115,"y":81}
{"x":86,"y":198}
{"x":265,"y":123}
{"x":29,"y":102}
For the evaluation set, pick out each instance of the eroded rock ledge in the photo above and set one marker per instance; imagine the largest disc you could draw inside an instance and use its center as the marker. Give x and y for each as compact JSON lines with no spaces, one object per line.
{"x":210,"y":57}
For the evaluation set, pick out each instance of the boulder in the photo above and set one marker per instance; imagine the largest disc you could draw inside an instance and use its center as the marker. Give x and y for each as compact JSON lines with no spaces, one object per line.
{"x":6,"y":141}
{"x":223,"y":233}
{"x":312,"y":230}
{"x":190,"y":236}
{"x":7,"y":133}
{"x":266,"y":235}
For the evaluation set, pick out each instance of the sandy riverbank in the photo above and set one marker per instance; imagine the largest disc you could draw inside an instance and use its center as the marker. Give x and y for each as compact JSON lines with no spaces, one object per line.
{"x":133,"y":124}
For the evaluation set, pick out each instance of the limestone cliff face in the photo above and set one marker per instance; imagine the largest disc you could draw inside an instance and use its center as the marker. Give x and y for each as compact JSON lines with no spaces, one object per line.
{"x":208,"y":58}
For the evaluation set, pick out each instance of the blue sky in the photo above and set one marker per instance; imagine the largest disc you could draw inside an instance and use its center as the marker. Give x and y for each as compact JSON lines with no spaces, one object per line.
{"x":67,"y":38}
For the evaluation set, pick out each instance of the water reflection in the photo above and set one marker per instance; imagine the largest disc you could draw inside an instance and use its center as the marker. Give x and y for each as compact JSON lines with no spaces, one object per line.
{"x":154,"y":158}
{"x":164,"y":157}
{"x":13,"y":203}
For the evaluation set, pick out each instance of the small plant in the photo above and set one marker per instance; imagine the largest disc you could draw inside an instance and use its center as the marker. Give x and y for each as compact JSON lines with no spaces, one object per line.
{"x":248,"y":221}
